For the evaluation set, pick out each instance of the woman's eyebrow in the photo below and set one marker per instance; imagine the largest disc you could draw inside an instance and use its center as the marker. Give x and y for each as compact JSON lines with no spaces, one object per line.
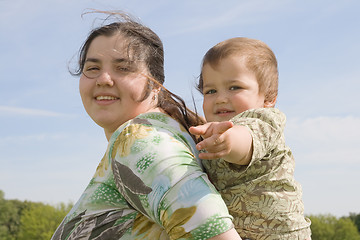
{"x":92,"y":60}
{"x":116,"y":60}
{"x":121,"y":60}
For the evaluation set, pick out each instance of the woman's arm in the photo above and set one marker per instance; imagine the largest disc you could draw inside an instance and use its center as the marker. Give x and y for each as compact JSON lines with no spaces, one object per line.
{"x":229,"y":235}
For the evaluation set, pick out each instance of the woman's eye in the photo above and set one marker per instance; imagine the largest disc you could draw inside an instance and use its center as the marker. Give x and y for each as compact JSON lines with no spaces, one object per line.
{"x":91,"y":71}
{"x":91,"y":68}
{"x":124,"y":69}
{"x":211,"y":91}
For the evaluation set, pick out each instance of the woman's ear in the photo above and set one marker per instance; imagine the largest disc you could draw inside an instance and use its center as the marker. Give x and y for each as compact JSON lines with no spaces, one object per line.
{"x":156,"y":90}
{"x":155,"y":93}
{"x":271,"y":103}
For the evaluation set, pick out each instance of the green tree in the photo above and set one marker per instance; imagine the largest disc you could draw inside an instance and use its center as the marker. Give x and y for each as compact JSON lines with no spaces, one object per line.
{"x":328,"y":227}
{"x":346,"y":229}
{"x":40,"y":221}
{"x":322,"y":227}
{"x":356,"y":219}
{"x":10,"y":213}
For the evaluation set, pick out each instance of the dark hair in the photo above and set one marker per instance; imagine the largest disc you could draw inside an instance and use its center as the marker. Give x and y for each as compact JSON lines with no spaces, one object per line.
{"x":146,"y":46}
{"x":257,"y":57}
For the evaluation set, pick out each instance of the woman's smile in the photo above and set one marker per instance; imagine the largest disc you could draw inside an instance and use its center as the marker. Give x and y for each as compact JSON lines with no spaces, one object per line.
{"x":105,"y":98}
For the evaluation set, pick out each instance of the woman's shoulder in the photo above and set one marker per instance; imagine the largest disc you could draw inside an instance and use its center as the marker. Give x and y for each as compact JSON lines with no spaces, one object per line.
{"x":158,"y":120}
{"x":152,"y":121}
{"x":150,"y":132}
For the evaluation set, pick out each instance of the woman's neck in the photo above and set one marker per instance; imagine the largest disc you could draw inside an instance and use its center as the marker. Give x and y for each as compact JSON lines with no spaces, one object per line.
{"x":109,"y":133}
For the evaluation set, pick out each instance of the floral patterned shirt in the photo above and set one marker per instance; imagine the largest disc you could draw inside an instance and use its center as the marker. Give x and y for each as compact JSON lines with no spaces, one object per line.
{"x":149,"y":185}
{"x":263,"y":197}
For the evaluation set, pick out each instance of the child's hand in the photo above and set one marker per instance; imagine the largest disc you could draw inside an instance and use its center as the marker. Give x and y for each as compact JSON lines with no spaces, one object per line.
{"x":216,"y":140}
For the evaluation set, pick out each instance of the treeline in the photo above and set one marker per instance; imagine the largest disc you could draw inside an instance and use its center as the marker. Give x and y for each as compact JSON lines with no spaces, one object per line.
{"x":328,"y":227}
{"x":24,"y":220}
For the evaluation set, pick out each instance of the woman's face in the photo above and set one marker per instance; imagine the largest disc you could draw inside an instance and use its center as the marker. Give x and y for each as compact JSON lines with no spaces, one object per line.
{"x":111,"y":86}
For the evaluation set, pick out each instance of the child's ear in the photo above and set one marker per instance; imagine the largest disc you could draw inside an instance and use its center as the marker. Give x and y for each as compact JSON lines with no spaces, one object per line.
{"x":270,"y":103}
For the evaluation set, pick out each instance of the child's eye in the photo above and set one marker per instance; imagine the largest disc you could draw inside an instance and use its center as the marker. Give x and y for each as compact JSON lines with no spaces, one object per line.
{"x":235,"y":88}
{"x":211,"y":91}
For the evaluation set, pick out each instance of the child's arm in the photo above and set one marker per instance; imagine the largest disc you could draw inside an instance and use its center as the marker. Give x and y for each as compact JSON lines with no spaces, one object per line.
{"x":224,"y":140}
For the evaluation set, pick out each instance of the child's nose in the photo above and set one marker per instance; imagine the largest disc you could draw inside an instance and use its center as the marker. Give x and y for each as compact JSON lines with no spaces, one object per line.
{"x":221,"y":98}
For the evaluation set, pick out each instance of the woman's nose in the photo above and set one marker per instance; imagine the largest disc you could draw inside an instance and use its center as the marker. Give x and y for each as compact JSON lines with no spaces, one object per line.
{"x":104,"y":79}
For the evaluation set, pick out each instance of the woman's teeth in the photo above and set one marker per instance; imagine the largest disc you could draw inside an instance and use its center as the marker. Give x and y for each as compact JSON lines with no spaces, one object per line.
{"x":105,"y":98}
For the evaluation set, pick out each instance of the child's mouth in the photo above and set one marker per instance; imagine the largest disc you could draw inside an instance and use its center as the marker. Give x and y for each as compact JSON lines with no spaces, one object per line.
{"x":224,"y":112}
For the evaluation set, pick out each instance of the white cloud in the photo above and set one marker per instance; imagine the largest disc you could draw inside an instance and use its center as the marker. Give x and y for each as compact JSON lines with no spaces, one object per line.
{"x":49,"y":167}
{"x":231,"y":13}
{"x":325,"y":139}
{"x":326,"y":151}
{"x":6,"y":110}
{"x":33,"y":139}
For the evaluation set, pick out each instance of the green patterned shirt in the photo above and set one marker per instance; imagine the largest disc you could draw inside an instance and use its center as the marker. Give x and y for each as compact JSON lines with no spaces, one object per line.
{"x":263,"y":197}
{"x":149,"y":185}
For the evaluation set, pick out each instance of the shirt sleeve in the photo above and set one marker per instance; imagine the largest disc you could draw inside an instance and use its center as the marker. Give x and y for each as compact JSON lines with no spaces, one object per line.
{"x":266,"y":127}
{"x":158,"y":175}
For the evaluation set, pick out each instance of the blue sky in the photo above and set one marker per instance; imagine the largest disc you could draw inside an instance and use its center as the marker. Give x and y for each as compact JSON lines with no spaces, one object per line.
{"x":50,"y":148}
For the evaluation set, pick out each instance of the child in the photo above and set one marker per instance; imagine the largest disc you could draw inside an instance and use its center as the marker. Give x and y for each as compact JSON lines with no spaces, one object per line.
{"x":239,"y":81}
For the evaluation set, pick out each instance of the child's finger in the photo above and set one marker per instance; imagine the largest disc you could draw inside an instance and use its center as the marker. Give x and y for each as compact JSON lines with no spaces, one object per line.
{"x":211,"y":144}
{"x":199,"y":130}
{"x":195,"y":130}
{"x":222,"y":127}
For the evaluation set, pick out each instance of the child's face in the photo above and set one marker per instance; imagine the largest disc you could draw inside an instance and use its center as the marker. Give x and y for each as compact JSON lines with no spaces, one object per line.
{"x":229,"y":90}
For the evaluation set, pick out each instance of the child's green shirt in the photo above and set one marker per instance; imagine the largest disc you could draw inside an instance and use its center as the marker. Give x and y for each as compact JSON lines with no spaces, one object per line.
{"x":263,"y":197}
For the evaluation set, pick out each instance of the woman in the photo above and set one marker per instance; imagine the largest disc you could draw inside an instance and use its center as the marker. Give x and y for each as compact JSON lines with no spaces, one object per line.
{"x":149,"y":184}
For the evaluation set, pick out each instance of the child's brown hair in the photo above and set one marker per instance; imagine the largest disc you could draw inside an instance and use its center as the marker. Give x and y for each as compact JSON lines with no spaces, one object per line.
{"x":258,"y":58}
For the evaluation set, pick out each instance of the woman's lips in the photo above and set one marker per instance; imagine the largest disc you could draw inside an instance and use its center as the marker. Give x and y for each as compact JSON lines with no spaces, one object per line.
{"x":105,"y":99}
{"x":102,"y":98}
